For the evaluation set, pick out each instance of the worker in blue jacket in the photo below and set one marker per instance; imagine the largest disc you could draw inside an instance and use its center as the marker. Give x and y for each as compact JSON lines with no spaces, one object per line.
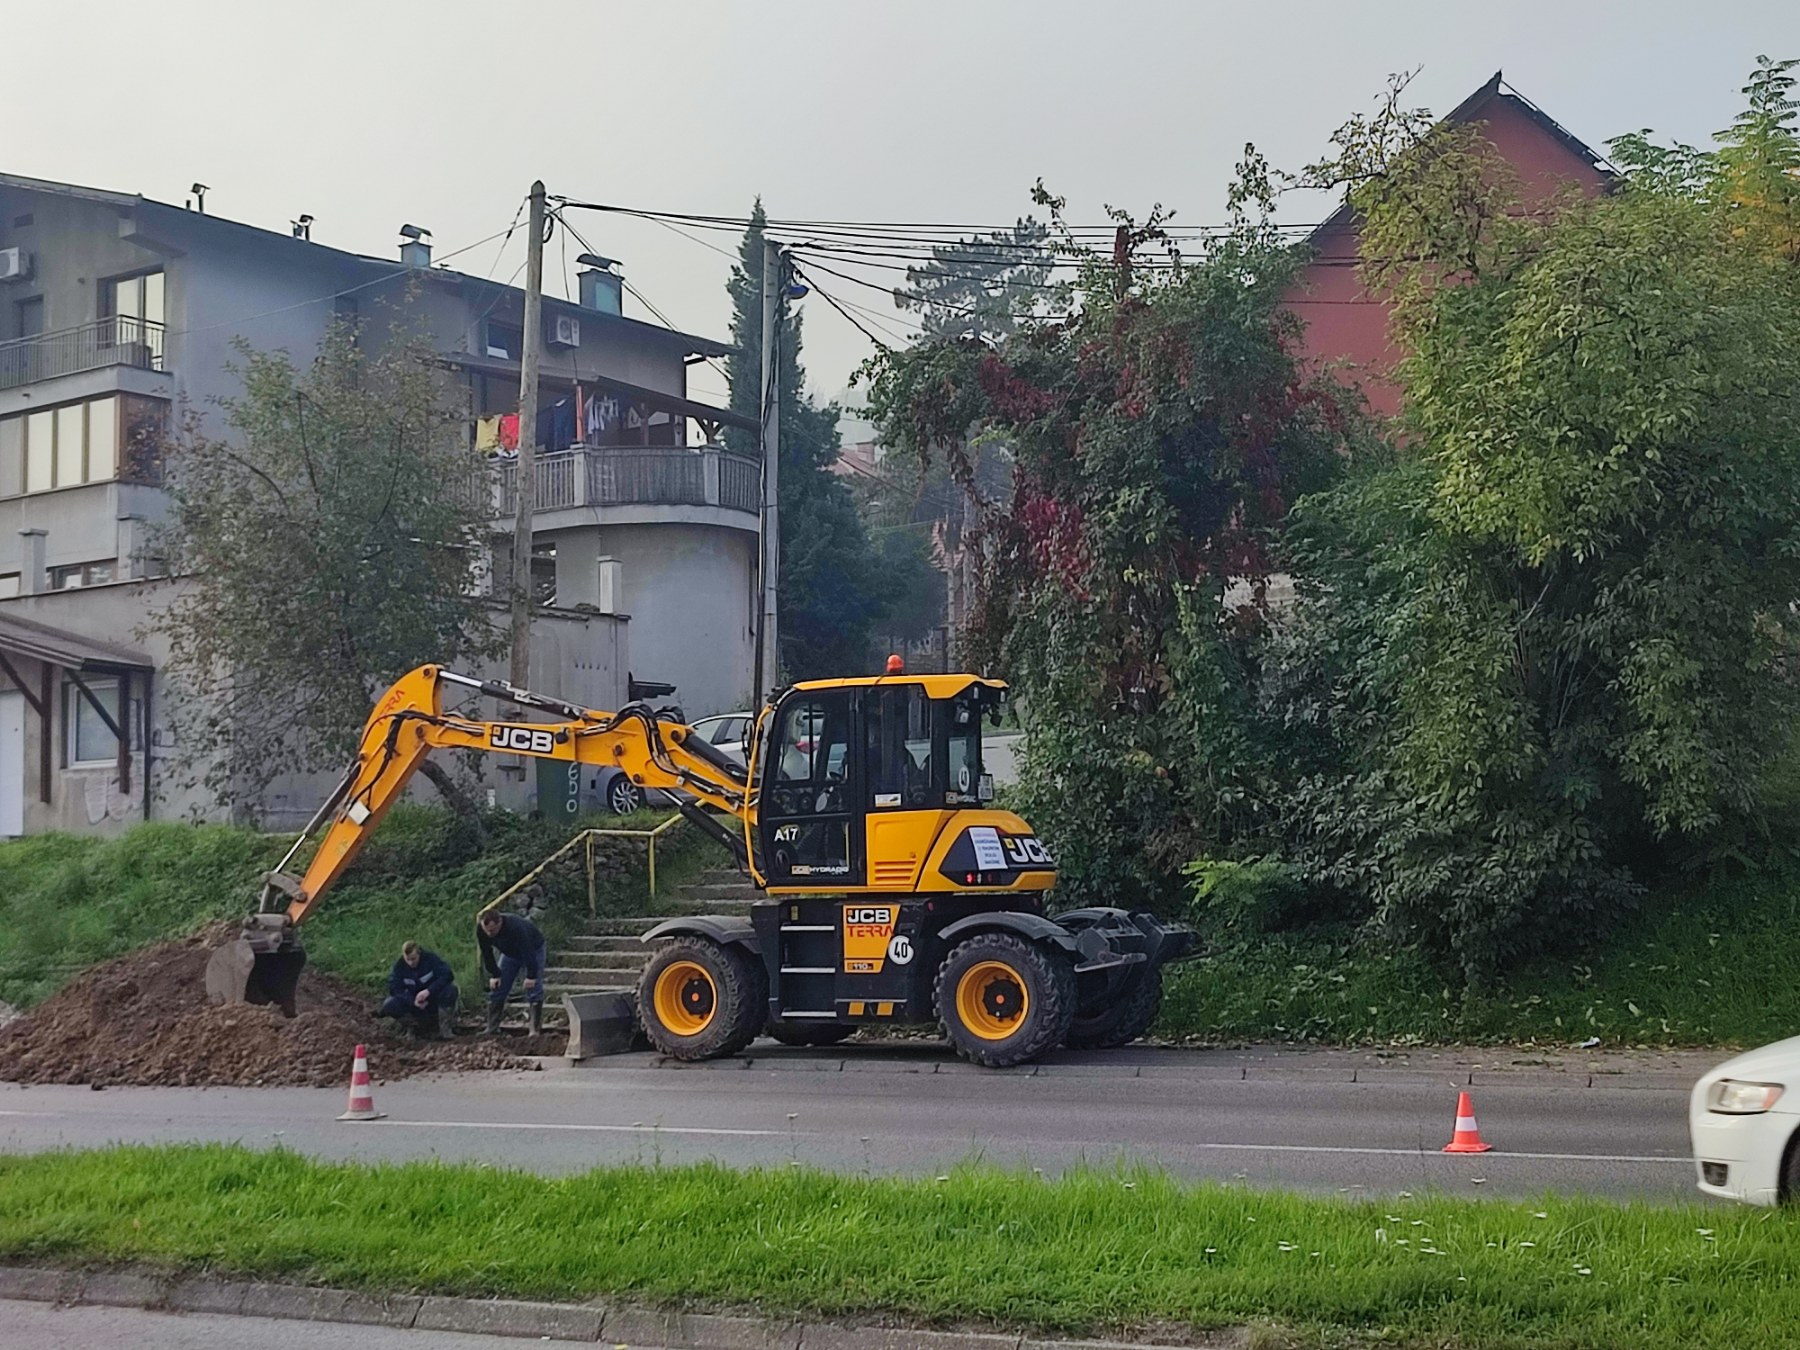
{"x":520,"y":946}
{"x":422,"y":987}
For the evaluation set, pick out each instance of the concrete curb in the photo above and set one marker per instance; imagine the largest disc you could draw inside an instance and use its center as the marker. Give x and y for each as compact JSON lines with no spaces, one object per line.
{"x":590,"y":1323}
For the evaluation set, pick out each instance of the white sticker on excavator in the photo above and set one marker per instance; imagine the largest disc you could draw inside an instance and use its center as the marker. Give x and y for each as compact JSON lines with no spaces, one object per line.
{"x":989,"y":856}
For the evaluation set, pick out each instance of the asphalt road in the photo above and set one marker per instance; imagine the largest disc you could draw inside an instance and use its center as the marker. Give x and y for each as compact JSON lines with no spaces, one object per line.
{"x":43,"y":1326}
{"x":1325,"y":1121}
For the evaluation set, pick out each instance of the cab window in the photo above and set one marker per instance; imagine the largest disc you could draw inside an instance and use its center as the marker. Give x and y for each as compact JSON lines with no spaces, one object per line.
{"x":963,"y":746}
{"x":807,"y":805}
{"x":897,"y":727}
{"x":812,"y":760}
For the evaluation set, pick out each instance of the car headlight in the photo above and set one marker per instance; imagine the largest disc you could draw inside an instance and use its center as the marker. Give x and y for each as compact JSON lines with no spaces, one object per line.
{"x":1733,"y":1098}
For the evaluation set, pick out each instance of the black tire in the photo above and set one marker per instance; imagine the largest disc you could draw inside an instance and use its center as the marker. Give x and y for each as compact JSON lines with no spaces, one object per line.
{"x":1123,"y":1020}
{"x":716,"y":1010}
{"x":810,"y":1033}
{"x":1789,"y":1194}
{"x":1028,"y":973}
{"x":623,"y":796}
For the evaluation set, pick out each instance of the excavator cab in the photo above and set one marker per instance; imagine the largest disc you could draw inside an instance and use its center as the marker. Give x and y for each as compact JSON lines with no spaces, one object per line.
{"x":858,"y":778}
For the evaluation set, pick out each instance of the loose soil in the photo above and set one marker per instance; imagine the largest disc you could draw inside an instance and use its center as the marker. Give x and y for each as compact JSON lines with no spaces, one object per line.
{"x":144,"y":1019}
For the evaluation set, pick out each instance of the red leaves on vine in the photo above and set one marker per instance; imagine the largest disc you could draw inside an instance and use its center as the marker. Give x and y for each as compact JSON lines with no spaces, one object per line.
{"x":1053,"y":540}
{"x":1014,"y":399}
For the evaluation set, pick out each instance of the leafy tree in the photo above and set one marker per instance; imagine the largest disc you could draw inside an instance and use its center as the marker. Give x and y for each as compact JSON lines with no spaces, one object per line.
{"x":983,"y":286}
{"x":1158,"y":435}
{"x":1551,"y":643}
{"x":830,"y":593}
{"x":334,"y":531}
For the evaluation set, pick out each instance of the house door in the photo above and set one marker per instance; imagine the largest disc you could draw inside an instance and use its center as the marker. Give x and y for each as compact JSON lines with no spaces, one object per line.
{"x":12,"y":764}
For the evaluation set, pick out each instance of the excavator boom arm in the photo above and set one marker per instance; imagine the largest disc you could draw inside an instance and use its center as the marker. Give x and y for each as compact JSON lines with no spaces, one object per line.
{"x":409,"y":722}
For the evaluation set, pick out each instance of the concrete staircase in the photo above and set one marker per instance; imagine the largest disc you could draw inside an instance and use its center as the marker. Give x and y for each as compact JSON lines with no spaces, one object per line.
{"x":607,"y":956}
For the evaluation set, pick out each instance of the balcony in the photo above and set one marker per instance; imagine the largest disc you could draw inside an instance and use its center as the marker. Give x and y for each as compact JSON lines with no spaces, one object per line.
{"x":120,"y":341}
{"x":636,"y":476}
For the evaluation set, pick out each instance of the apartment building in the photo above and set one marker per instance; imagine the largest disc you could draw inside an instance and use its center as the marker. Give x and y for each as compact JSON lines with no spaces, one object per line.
{"x":119,"y":314}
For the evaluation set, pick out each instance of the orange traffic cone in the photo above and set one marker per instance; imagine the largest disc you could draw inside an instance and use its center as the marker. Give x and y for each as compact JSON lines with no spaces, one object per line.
{"x":362,"y":1096}
{"x":1467,"y":1138}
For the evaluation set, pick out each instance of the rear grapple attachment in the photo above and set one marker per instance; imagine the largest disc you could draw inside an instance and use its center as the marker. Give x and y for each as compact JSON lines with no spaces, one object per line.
{"x":262,"y":965}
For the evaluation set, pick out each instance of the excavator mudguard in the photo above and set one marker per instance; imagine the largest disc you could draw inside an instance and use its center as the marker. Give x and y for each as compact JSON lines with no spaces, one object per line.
{"x":262,"y":965}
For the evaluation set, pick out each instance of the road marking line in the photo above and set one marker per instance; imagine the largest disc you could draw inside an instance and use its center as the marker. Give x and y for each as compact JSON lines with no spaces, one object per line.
{"x":602,"y":1129}
{"x":1434,"y":1153}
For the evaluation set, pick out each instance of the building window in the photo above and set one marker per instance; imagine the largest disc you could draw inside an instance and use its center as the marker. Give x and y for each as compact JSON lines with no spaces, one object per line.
{"x":135,"y":297}
{"x":77,"y":575}
{"x":9,"y":585}
{"x":61,"y":447}
{"x":90,"y":741}
{"x":504,"y":341}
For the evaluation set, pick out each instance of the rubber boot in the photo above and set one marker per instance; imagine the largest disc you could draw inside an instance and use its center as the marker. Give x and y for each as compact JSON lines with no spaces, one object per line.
{"x":446,"y":1024}
{"x":534,"y":1018}
{"x":493,"y":1020}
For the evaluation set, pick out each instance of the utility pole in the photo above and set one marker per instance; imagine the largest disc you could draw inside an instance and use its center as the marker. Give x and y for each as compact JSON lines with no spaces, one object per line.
{"x":525,"y":476}
{"x":768,"y":648}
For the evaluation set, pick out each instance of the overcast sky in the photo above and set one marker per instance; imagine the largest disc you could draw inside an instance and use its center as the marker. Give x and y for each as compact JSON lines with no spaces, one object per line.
{"x":368,"y":116}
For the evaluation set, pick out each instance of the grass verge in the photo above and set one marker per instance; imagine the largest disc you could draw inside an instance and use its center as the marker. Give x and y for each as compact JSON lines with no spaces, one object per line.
{"x":69,"y":901}
{"x":1716,"y":962}
{"x":1089,"y":1252}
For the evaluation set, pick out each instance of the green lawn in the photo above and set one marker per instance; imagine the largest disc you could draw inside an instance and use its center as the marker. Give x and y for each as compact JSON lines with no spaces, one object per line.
{"x":1709,"y":963}
{"x":69,"y":901}
{"x":1091,"y":1252}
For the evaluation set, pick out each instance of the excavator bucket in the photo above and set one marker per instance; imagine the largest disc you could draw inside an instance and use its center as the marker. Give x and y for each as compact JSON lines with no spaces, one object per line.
{"x":262,"y":965}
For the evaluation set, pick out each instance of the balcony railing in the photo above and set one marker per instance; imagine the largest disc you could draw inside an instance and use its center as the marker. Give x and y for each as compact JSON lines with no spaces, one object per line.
{"x":118,"y":341}
{"x":636,"y":476}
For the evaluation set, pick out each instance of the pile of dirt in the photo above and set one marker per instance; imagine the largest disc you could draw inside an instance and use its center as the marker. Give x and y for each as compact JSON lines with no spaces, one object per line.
{"x":144,"y":1019}
{"x":8,"y":1013}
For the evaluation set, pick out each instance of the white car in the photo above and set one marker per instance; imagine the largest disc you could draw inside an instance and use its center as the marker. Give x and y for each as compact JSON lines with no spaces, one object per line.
{"x":1744,"y":1119}
{"x":729,"y":732}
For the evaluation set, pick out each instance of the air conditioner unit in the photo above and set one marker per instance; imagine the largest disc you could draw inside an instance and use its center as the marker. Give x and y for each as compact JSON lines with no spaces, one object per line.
{"x":565,"y":330}
{"x":15,"y":264}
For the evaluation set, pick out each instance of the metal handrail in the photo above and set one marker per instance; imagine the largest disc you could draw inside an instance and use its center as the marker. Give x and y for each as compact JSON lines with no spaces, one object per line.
{"x":118,"y":340}
{"x":585,"y":839}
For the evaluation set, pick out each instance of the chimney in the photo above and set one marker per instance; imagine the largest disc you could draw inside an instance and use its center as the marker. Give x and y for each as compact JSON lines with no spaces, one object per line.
{"x":612,"y":586}
{"x":602,"y":288}
{"x":415,"y":248}
{"x":34,"y":575}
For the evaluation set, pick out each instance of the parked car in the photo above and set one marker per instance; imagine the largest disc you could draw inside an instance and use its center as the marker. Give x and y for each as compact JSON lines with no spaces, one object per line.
{"x":1744,"y":1120}
{"x":729,"y":732}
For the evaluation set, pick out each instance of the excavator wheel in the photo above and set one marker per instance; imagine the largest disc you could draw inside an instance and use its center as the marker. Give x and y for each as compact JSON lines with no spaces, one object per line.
{"x":810,"y":1033}
{"x":1003,"y":1000}
{"x":700,"y":999}
{"x":1124,"y":1019}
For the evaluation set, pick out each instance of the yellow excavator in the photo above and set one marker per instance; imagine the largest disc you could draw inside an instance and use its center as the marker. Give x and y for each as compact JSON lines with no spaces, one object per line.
{"x":895,"y":891}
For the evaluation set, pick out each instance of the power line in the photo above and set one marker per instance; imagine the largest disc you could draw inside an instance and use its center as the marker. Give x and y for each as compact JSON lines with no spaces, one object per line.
{"x":636,"y":294}
{"x":831,"y":300}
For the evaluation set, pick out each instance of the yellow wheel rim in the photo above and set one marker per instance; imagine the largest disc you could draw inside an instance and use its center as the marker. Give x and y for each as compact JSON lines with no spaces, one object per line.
{"x":686,"y":998}
{"x":991,"y":1000}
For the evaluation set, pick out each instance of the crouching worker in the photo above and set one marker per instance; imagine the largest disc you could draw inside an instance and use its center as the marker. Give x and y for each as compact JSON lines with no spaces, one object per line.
{"x":422,"y":988}
{"x":520,"y":948}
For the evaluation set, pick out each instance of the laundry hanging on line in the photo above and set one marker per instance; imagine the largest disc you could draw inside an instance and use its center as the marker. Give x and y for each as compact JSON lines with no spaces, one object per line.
{"x":487,"y":434}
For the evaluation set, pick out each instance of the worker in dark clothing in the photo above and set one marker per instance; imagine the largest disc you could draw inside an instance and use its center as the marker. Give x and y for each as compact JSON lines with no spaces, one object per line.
{"x":422,"y":988}
{"x":520,"y":948}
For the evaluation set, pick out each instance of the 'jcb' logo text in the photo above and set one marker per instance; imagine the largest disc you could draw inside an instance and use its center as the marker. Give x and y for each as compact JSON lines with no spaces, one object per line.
{"x":1025,"y":851}
{"x":871,"y":914}
{"x":526,"y":739}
